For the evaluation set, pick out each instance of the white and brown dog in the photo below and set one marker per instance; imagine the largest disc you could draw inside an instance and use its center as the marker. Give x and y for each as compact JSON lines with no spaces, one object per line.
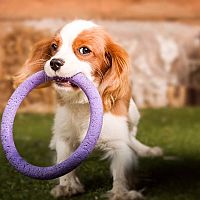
{"x":82,"y":46}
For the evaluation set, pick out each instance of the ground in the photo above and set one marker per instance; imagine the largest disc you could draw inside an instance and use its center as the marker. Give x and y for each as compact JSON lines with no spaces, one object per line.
{"x":174,"y":177}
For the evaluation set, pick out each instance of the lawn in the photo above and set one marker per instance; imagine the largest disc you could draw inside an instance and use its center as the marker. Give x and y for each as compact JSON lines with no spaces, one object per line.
{"x":174,"y":177}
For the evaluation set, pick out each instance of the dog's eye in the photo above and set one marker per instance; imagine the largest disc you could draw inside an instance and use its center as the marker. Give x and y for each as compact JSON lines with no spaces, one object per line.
{"x":84,"y":50}
{"x":54,"y":46}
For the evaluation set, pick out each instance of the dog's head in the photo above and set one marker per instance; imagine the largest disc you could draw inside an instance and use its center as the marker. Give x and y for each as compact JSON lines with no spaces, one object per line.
{"x":82,"y":46}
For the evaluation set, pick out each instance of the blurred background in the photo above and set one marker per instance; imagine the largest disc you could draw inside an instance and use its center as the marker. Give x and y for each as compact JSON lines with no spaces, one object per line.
{"x":162,"y":38}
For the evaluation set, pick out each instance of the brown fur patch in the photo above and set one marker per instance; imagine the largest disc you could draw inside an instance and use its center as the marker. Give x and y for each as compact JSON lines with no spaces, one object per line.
{"x":40,"y":53}
{"x":110,"y":65}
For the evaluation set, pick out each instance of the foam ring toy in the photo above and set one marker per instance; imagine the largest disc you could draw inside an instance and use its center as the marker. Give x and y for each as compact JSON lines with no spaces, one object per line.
{"x":80,"y":154}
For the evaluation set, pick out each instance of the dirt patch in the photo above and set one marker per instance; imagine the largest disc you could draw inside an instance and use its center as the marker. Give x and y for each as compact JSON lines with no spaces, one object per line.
{"x":102,"y":9}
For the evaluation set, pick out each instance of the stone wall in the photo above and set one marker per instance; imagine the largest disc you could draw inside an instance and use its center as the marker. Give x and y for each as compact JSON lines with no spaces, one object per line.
{"x":165,"y":60}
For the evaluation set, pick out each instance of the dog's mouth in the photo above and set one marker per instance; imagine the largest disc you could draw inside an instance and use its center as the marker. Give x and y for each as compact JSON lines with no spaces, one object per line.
{"x":66,"y":84}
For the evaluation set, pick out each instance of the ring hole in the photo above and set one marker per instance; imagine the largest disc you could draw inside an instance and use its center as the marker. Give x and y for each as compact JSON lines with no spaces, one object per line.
{"x":32,"y":133}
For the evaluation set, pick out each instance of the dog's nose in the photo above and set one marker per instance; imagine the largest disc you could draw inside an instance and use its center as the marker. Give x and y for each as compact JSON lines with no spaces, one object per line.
{"x":56,"y":63}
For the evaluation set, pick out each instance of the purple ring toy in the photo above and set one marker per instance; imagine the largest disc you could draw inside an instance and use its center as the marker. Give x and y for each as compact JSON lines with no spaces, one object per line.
{"x":81,"y":153}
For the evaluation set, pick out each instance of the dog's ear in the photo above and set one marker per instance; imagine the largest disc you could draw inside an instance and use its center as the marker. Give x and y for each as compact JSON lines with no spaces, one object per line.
{"x":40,"y":53}
{"x":115,"y":82}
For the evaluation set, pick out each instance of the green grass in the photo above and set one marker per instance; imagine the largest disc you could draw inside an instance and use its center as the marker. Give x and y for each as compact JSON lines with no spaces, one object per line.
{"x":174,"y":177}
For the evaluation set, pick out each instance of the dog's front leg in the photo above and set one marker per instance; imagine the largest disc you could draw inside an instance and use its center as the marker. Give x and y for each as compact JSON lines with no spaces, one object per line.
{"x":68,"y":184}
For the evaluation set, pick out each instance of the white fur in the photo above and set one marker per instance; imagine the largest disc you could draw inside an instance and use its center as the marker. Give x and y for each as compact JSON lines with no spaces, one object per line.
{"x":117,"y":139}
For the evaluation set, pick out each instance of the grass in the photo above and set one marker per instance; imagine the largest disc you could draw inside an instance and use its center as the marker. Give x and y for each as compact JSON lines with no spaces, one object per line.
{"x":174,"y":177}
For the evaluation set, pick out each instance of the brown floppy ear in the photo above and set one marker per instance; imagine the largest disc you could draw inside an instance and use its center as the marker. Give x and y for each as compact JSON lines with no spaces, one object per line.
{"x":40,"y":53}
{"x":115,"y":85}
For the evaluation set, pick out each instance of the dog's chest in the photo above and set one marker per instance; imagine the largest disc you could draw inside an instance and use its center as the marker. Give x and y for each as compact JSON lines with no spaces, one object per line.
{"x":79,"y":118}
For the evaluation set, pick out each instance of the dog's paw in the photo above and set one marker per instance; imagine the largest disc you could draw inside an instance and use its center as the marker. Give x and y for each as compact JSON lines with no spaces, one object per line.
{"x":125,"y":195}
{"x":134,"y":195}
{"x":151,"y":152}
{"x":67,"y":191}
{"x":155,"y":152}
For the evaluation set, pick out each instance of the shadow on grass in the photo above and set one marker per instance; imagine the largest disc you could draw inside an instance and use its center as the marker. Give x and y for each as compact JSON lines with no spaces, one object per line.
{"x":170,"y":179}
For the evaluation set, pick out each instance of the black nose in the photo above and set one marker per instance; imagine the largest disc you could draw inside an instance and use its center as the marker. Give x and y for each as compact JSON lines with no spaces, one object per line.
{"x":56,"y":63}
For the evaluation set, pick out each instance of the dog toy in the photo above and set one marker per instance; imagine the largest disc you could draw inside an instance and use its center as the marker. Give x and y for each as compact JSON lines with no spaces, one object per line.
{"x":80,"y":154}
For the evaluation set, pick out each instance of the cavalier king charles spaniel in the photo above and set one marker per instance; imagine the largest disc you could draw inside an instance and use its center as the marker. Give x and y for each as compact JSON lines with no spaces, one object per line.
{"x":83,"y":46}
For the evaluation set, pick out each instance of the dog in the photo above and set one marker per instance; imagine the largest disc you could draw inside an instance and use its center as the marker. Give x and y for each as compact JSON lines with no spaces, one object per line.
{"x":83,"y":46}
